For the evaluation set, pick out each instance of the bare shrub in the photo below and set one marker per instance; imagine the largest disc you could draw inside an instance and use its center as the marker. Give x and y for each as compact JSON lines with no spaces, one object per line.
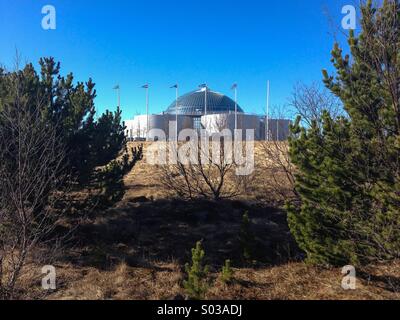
{"x":212,"y":174}
{"x":310,"y":101}
{"x":31,"y":174}
{"x":278,"y":172}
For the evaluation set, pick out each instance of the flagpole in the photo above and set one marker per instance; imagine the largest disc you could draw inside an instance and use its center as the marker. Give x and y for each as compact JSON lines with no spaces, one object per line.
{"x":146,"y":86}
{"x":267,"y":124}
{"x":234,"y":87}
{"x":205,"y":101}
{"x":236,"y":115}
{"x":119,"y":98}
{"x":176,"y":109}
{"x":117,"y":87}
{"x":147,"y":112}
{"x":176,"y":112}
{"x":204,"y":86}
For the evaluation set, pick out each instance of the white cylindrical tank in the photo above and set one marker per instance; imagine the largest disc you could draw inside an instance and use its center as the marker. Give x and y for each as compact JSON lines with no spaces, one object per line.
{"x":159,"y":126}
{"x":215,"y":123}
{"x":167,"y":123}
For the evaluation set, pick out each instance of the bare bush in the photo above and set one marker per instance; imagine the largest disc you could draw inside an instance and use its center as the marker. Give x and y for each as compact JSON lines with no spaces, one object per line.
{"x":310,"y":101}
{"x":279,"y":181}
{"x":211,"y":175}
{"x":31,"y":174}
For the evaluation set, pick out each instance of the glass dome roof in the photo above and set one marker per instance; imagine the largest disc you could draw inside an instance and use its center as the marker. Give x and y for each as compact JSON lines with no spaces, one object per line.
{"x":193,"y":103}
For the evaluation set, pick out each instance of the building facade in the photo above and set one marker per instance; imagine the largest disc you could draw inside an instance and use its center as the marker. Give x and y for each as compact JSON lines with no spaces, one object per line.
{"x":208,"y":110}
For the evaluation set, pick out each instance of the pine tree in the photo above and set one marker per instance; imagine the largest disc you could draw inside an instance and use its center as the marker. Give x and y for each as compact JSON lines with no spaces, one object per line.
{"x":111,"y":176}
{"x":227,"y":272}
{"x":196,"y":283}
{"x":70,"y":108}
{"x":348,"y":170}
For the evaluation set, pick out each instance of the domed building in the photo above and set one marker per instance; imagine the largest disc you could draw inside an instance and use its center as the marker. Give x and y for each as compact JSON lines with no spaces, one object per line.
{"x":199,"y":103}
{"x":194,"y":103}
{"x":203,"y":109}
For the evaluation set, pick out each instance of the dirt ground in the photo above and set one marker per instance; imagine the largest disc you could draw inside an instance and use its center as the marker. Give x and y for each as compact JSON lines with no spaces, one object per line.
{"x":138,"y":248}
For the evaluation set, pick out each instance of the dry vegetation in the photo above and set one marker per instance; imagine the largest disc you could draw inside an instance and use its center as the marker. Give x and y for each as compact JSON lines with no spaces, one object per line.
{"x":163,"y":280}
{"x":137,"y":249}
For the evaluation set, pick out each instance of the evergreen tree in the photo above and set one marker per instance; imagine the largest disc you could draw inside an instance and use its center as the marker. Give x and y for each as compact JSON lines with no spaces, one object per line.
{"x":227,"y":272}
{"x":196,"y":283}
{"x":348,"y":170}
{"x":70,"y":108}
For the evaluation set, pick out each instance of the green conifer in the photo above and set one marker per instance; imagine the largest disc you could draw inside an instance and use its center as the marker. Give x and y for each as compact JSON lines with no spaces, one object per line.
{"x":227,"y":272}
{"x":348,"y":175}
{"x":196,"y":284}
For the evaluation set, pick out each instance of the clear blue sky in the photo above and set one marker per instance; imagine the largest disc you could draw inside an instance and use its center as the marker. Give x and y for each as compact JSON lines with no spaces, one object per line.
{"x":163,"y":42}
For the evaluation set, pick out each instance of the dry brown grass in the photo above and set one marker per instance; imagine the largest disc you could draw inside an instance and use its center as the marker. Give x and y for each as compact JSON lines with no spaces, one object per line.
{"x":161,"y":281}
{"x":292,"y":281}
{"x":297,"y":281}
{"x":137,"y":250}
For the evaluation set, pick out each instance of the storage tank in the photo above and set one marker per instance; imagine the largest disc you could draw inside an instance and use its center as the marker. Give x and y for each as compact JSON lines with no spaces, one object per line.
{"x":215,"y":123}
{"x":137,"y":128}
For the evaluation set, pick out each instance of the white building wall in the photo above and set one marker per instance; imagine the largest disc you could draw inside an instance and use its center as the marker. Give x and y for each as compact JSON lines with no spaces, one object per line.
{"x":214,"y":123}
{"x":137,"y":128}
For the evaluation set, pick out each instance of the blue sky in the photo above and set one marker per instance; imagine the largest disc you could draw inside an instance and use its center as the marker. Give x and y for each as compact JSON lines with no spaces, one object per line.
{"x":188,"y":42}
